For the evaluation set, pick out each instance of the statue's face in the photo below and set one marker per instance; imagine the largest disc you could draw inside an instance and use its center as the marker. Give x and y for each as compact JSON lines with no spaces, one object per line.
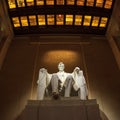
{"x":61,"y":67}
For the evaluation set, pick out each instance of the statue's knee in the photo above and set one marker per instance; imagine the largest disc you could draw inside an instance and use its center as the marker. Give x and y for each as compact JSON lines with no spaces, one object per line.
{"x":54,"y":76}
{"x":69,"y":78}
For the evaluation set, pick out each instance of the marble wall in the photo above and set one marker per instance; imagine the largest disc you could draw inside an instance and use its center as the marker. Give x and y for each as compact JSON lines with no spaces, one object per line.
{"x":6,"y":32}
{"x":19,"y":73}
{"x":114,"y":31}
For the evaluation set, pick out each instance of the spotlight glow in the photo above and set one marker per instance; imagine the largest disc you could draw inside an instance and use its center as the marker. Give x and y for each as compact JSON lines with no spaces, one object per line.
{"x":55,"y":56}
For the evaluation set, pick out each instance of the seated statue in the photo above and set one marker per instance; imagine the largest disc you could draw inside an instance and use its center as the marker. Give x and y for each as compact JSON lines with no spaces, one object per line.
{"x":61,"y":81}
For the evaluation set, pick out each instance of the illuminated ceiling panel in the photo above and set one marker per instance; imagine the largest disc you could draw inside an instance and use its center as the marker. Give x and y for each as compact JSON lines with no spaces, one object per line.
{"x":59,"y":19}
{"x":108,"y":4}
{"x":11,"y":4}
{"x":32,"y":20}
{"x":87,"y":20}
{"x":24,"y":21}
{"x":60,"y":2}
{"x":16,"y":21}
{"x":49,"y":2}
{"x":103,"y":22}
{"x":75,"y":16}
{"x":80,"y":2}
{"x":69,"y":20}
{"x":99,"y":3}
{"x":93,"y":3}
{"x":78,"y":19}
{"x":39,"y":2}
{"x":50,"y":20}
{"x":95,"y":21}
{"x":70,"y":2}
{"x":30,"y":2}
{"x":21,"y":3}
{"x":90,"y":3}
{"x":41,"y":20}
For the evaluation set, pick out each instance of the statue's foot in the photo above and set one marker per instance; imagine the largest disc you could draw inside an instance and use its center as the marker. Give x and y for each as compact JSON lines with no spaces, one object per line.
{"x":55,"y":96}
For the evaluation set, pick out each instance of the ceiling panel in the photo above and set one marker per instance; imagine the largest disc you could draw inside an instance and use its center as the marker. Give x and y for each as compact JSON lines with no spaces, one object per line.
{"x":60,"y":16}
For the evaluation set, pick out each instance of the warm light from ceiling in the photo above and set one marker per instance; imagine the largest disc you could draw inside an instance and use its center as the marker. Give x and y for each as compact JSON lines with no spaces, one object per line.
{"x":69,"y":19}
{"x":55,"y":56}
{"x":59,"y":19}
{"x":41,"y":19}
{"x":90,"y":2}
{"x":97,"y":3}
{"x":103,"y":22}
{"x":40,"y":2}
{"x":95,"y":21}
{"x":87,"y":20}
{"x":16,"y":21}
{"x":78,"y":19}
{"x":50,"y":20}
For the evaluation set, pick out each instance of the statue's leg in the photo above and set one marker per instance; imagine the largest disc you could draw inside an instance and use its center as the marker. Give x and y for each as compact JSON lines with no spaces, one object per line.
{"x":68,"y":85}
{"x":55,"y":86}
{"x":54,"y":83}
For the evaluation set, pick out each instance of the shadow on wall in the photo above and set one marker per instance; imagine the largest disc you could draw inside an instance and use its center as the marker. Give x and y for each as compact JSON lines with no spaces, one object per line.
{"x":103,"y":116}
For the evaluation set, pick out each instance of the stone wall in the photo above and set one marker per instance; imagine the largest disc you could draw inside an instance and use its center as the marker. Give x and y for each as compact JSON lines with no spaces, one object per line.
{"x":114,"y":31}
{"x":26,"y":55}
{"x":6,"y":32}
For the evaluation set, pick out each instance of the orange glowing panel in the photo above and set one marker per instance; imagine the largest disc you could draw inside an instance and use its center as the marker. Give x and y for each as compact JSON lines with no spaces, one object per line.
{"x":95,"y":21}
{"x":87,"y":20}
{"x":103,"y":22}
{"x":41,"y":19}
{"x":40,"y":2}
{"x":21,"y":3}
{"x":59,"y":19}
{"x":108,"y":4}
{"x":69,"y":20}
{"x":80,"y":2}
{"x":78,"y":19}
{"x":16,"y":22}
{"x":70,"y":2}
{"x":90,"y":3}
{"x":24,"y":21}
{"x":30,"y":2}
{"x":99,"y":3}
{"x":49,"y":2}
{"x":60,"y":2}
{"x":11,"y":4}
{"x":32,"y":20}
{"x":50,"y":20}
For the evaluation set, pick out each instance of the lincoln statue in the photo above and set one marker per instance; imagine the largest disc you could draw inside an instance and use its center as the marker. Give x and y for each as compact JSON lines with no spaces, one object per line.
{"x":61,"y":81}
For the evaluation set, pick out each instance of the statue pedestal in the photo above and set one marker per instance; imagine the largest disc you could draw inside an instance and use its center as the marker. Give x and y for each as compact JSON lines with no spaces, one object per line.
{"x":63,"y":109}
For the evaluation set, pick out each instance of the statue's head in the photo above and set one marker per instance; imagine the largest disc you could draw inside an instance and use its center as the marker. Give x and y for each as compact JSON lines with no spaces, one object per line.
{"x":61,"y":66}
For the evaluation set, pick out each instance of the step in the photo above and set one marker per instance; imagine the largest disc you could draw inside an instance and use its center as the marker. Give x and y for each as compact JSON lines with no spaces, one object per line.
{"x":63,"y":109}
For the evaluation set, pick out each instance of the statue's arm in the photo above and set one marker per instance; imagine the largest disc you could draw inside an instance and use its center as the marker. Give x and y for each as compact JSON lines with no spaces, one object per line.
{"x":42,"y":76}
